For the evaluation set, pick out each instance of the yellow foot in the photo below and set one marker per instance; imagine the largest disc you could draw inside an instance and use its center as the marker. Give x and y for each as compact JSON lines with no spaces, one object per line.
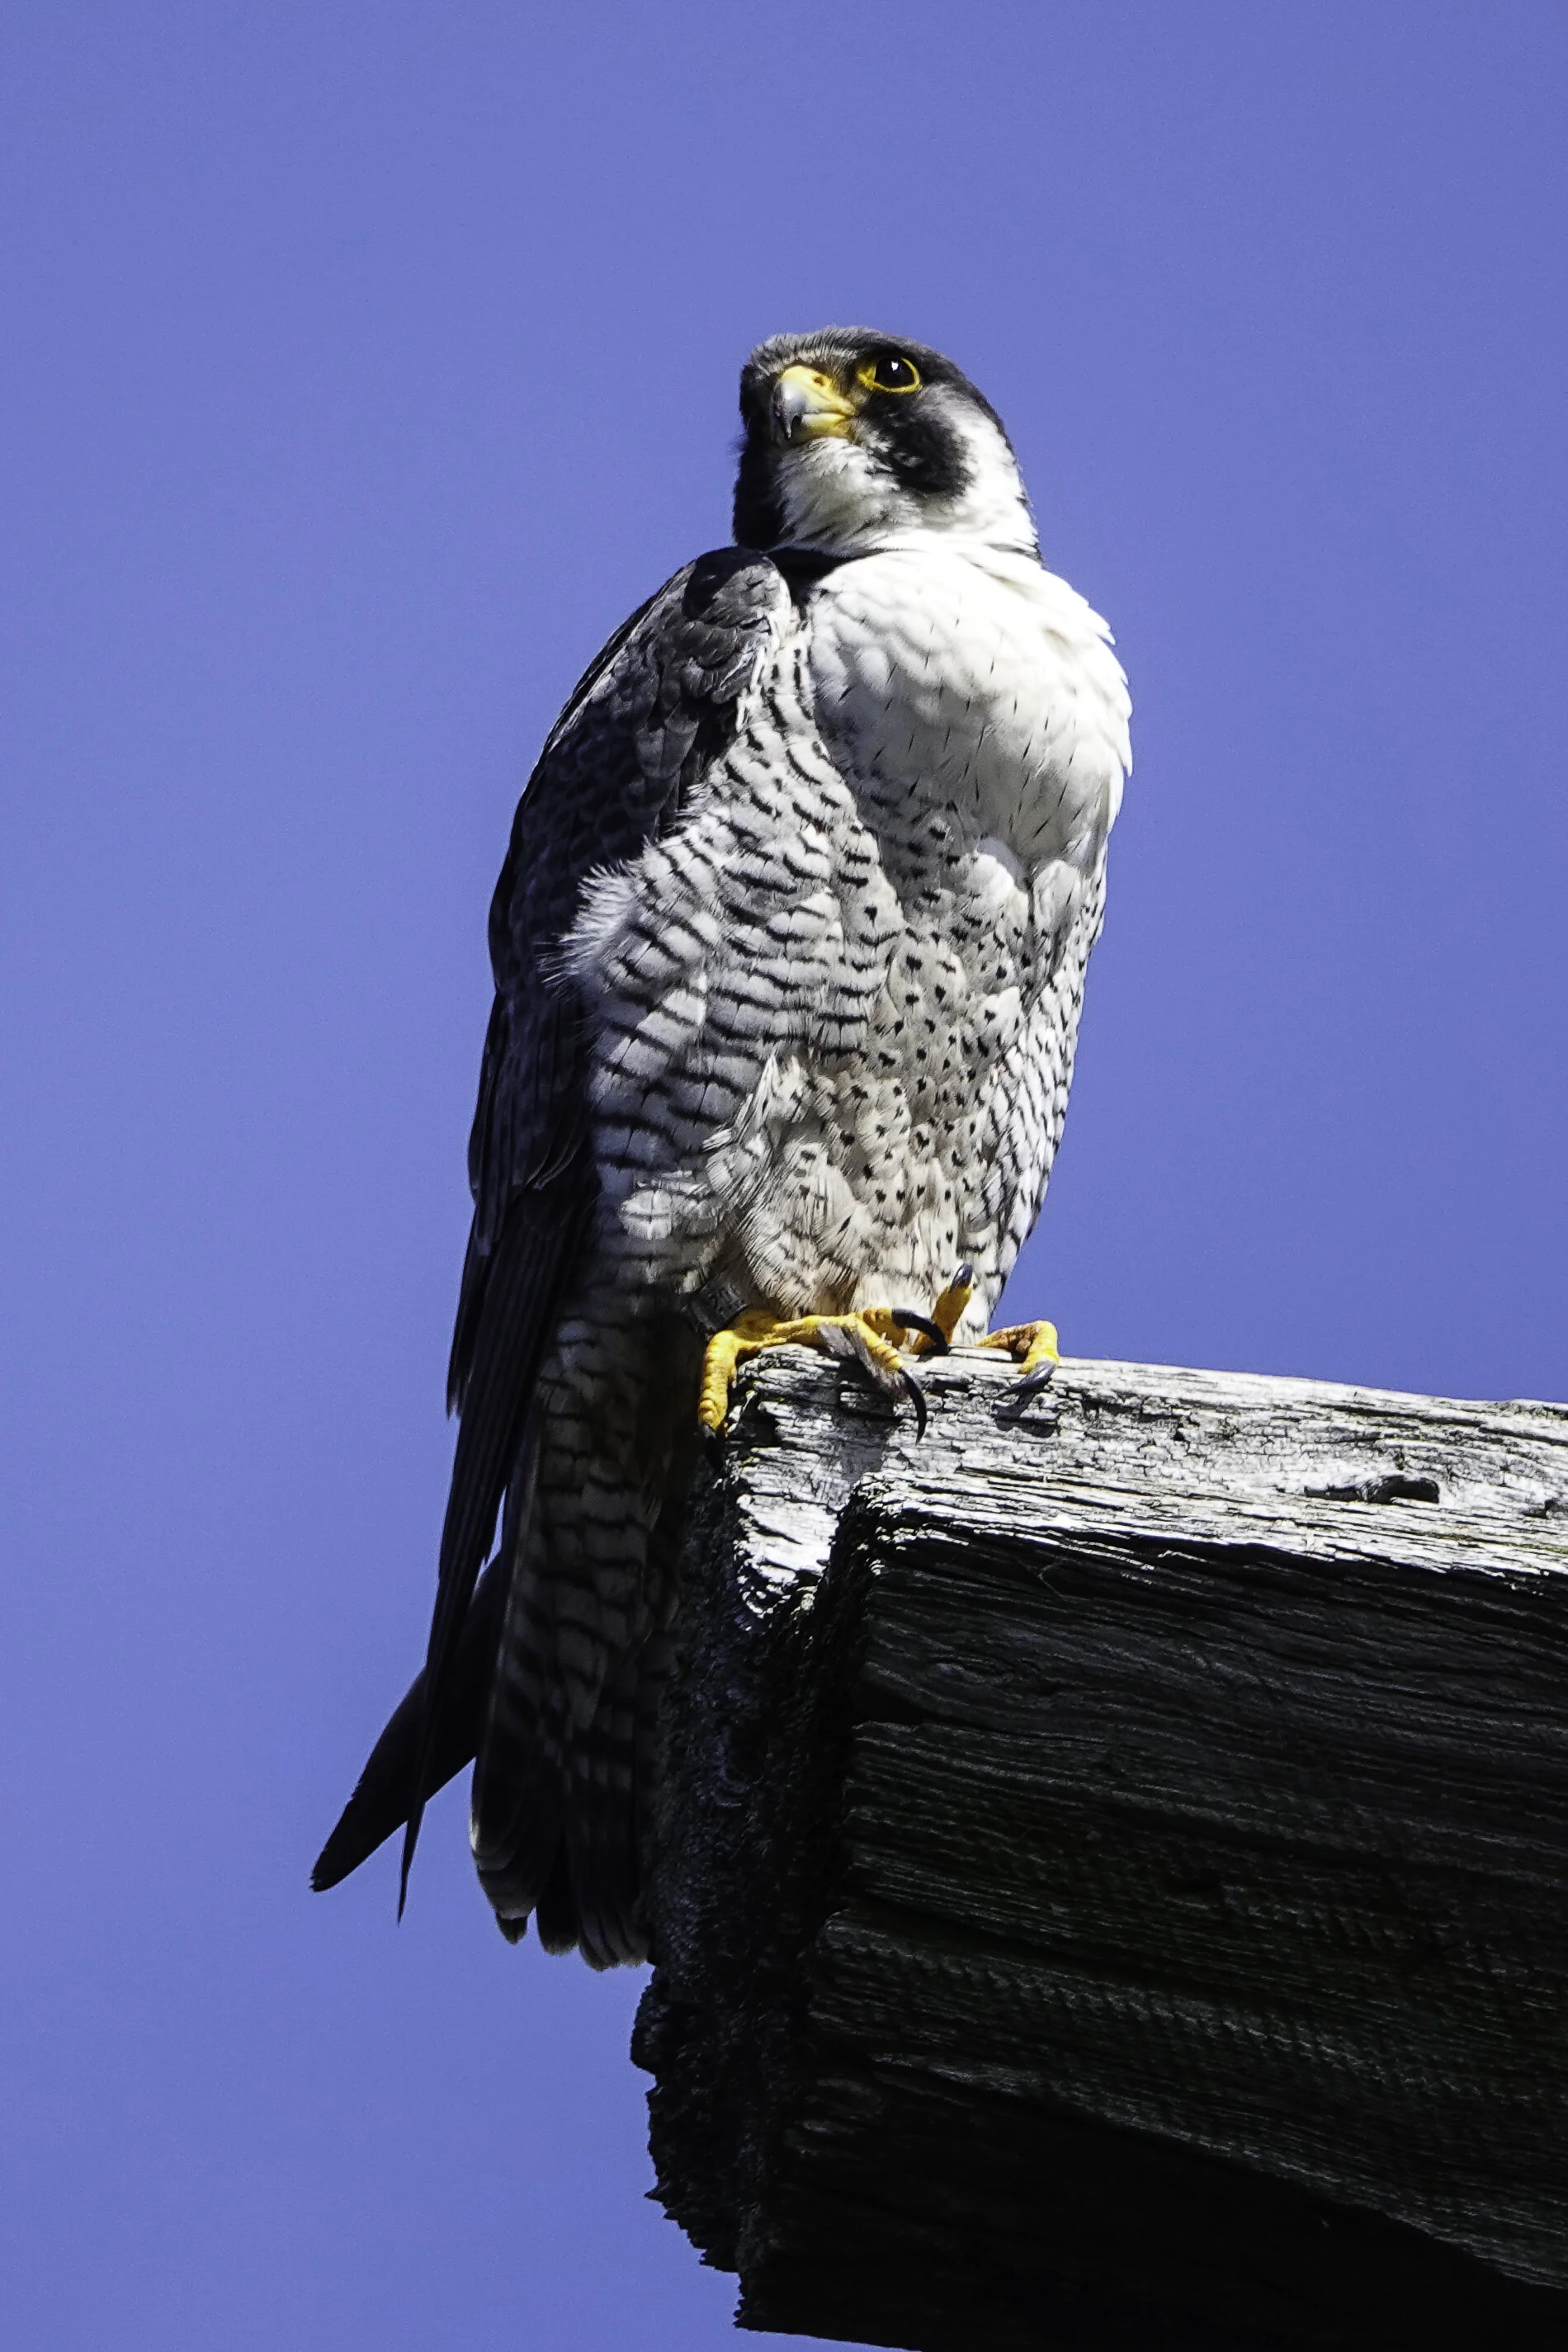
{"x":1033,"y":1347}
{"x":869,"y":1339}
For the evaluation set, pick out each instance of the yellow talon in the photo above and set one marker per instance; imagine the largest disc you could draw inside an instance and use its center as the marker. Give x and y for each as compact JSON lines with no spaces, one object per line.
{"x":873,"y":1335}
{"x":869,"y":1335}
{"x":947,"y":1312}
{"x":726,"y":1350}
{"x":1031,"y":1345}
{"x":723,"y":1353}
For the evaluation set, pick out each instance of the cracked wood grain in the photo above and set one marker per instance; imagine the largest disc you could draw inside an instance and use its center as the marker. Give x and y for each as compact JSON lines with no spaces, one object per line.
{"x":1112,"y":1865}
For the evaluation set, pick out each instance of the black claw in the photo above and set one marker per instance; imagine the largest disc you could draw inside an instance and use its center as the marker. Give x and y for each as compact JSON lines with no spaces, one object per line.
{"x":1018,"y":1395}
{"x":916,"y":1396}
{"x":964,"y":1279}
{"x":908,"y":1321}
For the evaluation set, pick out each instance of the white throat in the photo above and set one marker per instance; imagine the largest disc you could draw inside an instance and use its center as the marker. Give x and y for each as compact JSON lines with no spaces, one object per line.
{"x":839,"y":496}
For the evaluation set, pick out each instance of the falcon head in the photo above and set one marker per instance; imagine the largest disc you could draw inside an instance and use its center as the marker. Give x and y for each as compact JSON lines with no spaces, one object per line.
{"x":856,"y":440}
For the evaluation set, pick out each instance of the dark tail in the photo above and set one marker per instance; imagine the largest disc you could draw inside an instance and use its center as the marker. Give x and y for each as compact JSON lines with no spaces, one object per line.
{"x":557,"y":1833}
{"x":384,"y":1798}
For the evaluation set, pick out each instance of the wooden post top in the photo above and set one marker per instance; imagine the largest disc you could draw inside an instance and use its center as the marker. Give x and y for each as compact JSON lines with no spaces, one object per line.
{"x":1111,"y":1881}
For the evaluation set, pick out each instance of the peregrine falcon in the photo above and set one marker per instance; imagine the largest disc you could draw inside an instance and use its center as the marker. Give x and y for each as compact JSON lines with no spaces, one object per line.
{"x":789,"y":948}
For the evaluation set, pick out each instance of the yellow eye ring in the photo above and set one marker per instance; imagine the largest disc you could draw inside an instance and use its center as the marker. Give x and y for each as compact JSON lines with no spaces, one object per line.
{"x":891,"y":373}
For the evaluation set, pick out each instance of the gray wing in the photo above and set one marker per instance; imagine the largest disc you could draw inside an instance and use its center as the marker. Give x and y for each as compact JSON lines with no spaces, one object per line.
{"x":656,"y":708}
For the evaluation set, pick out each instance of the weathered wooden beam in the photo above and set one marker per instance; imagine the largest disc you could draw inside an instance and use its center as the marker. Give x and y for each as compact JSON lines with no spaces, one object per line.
{"x":1113,"y":1866}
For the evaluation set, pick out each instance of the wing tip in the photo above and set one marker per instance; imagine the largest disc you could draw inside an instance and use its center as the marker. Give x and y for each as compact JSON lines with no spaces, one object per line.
{"x":346,"y":1848}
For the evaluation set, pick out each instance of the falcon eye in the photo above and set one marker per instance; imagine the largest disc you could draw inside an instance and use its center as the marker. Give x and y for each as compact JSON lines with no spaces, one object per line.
{"x":891,"y":373}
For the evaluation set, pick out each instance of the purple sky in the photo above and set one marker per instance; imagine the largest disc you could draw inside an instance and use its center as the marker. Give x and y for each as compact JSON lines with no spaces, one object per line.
{"x":364,"y":365}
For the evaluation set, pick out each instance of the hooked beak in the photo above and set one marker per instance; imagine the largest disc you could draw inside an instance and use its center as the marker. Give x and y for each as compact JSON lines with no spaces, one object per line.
{"x":806,"y":406}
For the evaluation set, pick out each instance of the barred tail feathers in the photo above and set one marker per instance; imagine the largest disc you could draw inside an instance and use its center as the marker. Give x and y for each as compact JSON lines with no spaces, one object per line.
{"x":560,"y":1786}
{"x":555,"y":1806}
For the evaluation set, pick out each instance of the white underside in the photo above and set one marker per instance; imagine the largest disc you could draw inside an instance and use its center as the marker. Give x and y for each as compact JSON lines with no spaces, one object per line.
{"x":837,"y":1004}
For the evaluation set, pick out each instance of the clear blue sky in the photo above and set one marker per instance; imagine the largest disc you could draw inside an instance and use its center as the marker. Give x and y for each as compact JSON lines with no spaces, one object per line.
{"x":364,"y":364}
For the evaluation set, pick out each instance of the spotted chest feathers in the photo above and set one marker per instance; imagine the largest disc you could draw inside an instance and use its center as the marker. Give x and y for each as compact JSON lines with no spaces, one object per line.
{"x":835,"y":1009}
